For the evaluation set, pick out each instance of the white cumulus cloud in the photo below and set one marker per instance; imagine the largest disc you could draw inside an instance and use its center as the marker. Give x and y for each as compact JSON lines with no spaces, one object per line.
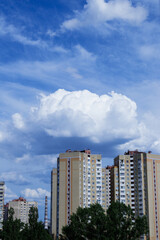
{"x":96,"y":12}
{"x":85,"y":114}
{"x":35,"y":193}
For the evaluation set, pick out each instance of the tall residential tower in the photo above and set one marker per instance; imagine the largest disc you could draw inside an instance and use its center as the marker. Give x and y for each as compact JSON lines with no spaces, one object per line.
{"x":137,"y":183}
{"x":77,"y":181}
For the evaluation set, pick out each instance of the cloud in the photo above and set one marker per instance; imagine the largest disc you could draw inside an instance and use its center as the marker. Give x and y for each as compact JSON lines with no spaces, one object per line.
{"x":149,"y":134}
{"x":9,"y":194}
{"x":85,"y":114}
{"x":11,"y":30}
{"x":51,"y":33}
{"x":5,"y":133}
{"x":2,"y":136}
{"x":69,"y":119}
{"x":84,"y":54}
{"x":35,"y":193}
{"x":97,"y":12}
{"x":73,"y":72}
{"x":25,"y":157}
{"x":53,"y":71}
{"x":59,"y":50}
{"x":13,"y":177}
{"x":18,"y":121}
{"x":150,"y":51}
{"x":49,"y":158}
{"x":77,"y":120}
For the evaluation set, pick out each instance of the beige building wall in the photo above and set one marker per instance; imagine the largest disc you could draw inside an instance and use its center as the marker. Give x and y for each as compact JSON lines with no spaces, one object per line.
{"x":125,"y":184}
{"x":106,"y":187}
{"x":139,"y":186}
{"x":153,"y":190}
{"x":79,"y":184}
{"x":114,"y":184}
{"x":21,"y":209}
{"x":69,"y":186}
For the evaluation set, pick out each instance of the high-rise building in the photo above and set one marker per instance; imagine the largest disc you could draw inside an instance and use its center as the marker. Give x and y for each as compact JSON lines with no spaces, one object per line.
{"x":137,"y":183}
{"x":77,"y":181}
{"x":1,"y":202}
{"x":124,"y":188}
{"x":21,"y":208}
{"x":114,"y":184}
{"x":106,"y":187}
{"x":80,"y":180}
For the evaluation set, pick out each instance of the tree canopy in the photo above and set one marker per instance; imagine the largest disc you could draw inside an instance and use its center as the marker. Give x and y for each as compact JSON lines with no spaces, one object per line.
{"x":11,"y":228}
{"x":122,"y":224}
{"x":92,"y":223}
{"x":86,"y":223}
{"x":16,"y":230}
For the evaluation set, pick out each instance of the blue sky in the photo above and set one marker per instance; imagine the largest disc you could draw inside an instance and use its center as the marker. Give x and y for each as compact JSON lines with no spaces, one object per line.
{"x":75,"y":74}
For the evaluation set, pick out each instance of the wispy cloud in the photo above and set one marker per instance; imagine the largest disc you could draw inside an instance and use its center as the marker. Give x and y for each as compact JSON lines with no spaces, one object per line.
{"x":13,"y":177}
{"x":16,"y":34}
{"x":150,"y":52}
{"x":48,"y":158}
{"x":96,"y":12}
{"x":72,"y":61}
{"x":51,"y":33}
{"x":73,"y":72}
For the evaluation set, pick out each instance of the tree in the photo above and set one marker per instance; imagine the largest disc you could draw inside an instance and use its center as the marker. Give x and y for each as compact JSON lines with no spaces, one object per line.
{"x":34,"y":230}
{"x":92,"y":224}
{"x":122,"y":224}
{"x":86,"y":223}
{"x":11,"y":228}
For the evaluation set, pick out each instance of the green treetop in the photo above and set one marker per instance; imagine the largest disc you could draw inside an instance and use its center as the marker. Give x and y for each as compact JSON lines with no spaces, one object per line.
{"x":92,"y":224}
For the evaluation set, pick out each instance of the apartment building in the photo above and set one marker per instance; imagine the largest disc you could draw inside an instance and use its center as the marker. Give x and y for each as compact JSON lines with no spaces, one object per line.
{"x":136,"y":182}
{"x":106,"y":187}
{"x":21,"y":208}
{"x":77,"y":181}
{"x":114,"y":181}
{"x":124,"y":188}
{"x":80,"y":180}
{"x":2,"y":185}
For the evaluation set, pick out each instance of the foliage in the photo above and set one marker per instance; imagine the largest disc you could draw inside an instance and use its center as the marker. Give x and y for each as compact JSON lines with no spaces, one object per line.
{"x":92,"y":223}
{"x":16,"y":230}
{"x":11,"y":228}
{"x":87,"y":223}
{"x":122,"y":224}
{"x":35,"y":230}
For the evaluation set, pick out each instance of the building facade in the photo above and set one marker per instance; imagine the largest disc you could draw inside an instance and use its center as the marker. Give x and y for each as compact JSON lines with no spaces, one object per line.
{"x":106,"y":187}
{"x":21,"y":208}
{"x":2,"y":186}
{"x":77,"y":181}
{"x":136,"y":182}
{"x":80,"y":180}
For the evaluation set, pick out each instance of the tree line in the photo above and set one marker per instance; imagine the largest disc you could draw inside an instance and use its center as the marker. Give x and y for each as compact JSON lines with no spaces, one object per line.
{"x":118,"y":223}
{"x":90,"y":223}
{"x":17,"y":230}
